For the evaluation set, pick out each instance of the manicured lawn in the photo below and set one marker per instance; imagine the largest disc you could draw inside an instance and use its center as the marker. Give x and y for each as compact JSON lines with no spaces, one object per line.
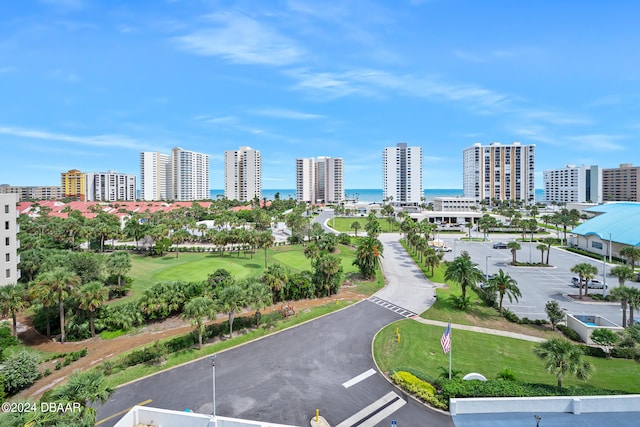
{"x":196,"y":266}
{"x":419,"y":348}
{"x":343,"y":224}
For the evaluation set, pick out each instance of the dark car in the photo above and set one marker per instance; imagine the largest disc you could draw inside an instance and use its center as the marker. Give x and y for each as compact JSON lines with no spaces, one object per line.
{"x":500,"y":245}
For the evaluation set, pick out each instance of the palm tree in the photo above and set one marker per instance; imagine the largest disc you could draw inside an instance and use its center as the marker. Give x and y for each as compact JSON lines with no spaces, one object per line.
{"x":42,"y":293}
{"x":259,"y":297}
{"x":63,"y":283}
{"x":585,"y":272}
{"x":368,"y":256}
{"x":118,"y":263}
{"x":197,"y":310}
{"x":464,"y":272}
{"x":84,"y":388}
{"x":265,"y":241}
{"x":432,"y":259}
{"x":13,"y":301}
{"x":90,"y":298}
{"x":355,"y":226}
{"x":561,"y":358}
{"x":504,"y":284}
{"x":624,"y":295}
{"x":541,"y":247}
{"x":548,"y":241}
{"x":231,"y":299}
{"x":622,"y":272}
{"x":275,"y":277}
{"x":514,"y":247}
{"x":632,"y":254}
{"x":634,"y":303}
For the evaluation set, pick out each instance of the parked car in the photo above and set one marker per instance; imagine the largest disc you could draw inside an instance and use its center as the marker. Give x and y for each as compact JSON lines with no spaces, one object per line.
{"x":445,"y":249}
{"x":591,"y":284}
{"x":500,"y":245}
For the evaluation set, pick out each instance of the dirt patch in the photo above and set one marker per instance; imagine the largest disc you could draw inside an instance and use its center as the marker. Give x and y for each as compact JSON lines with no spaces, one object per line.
{"x":99,"y":350}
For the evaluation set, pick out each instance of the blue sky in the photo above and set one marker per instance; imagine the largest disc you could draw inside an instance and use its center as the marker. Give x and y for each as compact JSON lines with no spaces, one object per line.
{"x":90,"y":84}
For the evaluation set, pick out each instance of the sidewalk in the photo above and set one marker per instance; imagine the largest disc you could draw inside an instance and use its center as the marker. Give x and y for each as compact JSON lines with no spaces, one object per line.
{"x":480,"y":330}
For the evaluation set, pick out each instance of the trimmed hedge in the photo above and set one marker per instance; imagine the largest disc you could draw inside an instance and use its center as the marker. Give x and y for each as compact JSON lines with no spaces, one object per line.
{"x":419,"y":388}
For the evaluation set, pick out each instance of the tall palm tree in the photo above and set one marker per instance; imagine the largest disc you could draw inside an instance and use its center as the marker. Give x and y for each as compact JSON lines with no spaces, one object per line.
{"x":275,"y":277}
{"x":623,"y":273}
{"x":548,"y":241}
{"x":585,"y":272}
{"x":42,"y":293}
{"x":514,"y":247}
{"x":118,"y":263}
{"x":197,"y":310}
{"x":367,"y":256}
{"x":63,"y":284}
{"x":504,"y":284}
{"x":13,"y":301}
{"x":464,"y":272}
{"x":561,"y":357}
{"x":624,"y":295}
{"x":90,"y":298}
{"x":259,"y":297}
{"x":355,"y":226}
{"x":231,"y":299}
{"x":634,"y":303}
{"x":84,"y":388}
{"x":632,"y":254}
{"x":541,"y":247}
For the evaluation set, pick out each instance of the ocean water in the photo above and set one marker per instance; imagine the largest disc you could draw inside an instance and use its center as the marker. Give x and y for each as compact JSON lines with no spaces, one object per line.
{"x":369,"y":194}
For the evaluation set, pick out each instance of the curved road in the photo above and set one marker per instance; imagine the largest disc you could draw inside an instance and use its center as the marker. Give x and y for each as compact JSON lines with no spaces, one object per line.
{"x":325,"y":364}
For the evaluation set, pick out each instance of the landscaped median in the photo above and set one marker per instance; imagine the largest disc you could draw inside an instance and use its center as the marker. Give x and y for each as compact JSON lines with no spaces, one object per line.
{"x":509,"y":364}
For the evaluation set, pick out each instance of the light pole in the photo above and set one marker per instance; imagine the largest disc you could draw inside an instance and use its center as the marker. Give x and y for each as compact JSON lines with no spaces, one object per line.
{"x":486,"y":267}
{"x":213,"y":370}
{"x":610,"y":248}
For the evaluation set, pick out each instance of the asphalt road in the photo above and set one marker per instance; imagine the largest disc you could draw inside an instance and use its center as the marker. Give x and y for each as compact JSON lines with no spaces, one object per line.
{"x":283,"y":378}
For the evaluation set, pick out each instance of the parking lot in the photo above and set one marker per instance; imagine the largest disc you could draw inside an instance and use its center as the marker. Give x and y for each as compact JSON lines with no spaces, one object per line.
{"x":539,"y":284}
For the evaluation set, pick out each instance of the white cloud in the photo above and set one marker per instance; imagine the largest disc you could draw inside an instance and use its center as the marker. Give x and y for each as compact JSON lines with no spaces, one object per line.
{"x":597,"y":142}
{"x":241,"y":39}
{"x":96,"y":141}
{"x":287,"y":114}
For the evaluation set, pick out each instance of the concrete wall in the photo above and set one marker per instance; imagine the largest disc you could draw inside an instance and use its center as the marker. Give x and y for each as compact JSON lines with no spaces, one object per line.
{"x":569,"y":404}
{"x":585,"y":330}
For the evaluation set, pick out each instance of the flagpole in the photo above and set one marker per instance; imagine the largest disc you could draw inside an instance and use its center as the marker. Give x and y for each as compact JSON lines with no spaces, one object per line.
{"x":450,"y":351}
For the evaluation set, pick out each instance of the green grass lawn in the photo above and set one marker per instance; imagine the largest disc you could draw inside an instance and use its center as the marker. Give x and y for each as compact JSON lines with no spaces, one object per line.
{"x":196,"y":266}
{"x":343,"y":224}
{"x":419,"y":348}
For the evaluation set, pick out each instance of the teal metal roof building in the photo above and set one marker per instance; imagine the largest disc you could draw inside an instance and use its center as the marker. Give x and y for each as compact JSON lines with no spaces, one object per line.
{"x":618,"y":223}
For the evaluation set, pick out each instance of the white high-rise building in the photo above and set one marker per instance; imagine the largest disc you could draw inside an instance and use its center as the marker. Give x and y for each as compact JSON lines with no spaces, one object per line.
{"x":499,"y":172}
{"x":242,"y":174}
{"x":9,"y":243}
{"x":110,"y":186}
{"x":190,"y":175}
{"x":155,"y":176}
{"x":320,"y":180}
{"x":402,"y":174}
{"x":182,"y":175}
{"x":573,"y":184}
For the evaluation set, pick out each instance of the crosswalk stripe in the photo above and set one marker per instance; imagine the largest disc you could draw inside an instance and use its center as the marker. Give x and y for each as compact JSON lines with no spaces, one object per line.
{"x":355,"y":380}
{"x":392,"y":307}
{"x":385,"y":406}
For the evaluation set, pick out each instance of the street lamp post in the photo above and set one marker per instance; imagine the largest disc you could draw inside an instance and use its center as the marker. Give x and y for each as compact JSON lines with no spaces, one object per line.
{"x":213,"y":370}
{"x":610,"y":248}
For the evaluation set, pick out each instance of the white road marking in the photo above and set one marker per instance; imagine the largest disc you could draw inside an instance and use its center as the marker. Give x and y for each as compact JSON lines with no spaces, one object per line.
{"x":355,"y":380}
{"x":398,"y":402}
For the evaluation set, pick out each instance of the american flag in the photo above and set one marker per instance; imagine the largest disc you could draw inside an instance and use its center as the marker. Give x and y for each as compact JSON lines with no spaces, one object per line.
{"x":445,"y":341}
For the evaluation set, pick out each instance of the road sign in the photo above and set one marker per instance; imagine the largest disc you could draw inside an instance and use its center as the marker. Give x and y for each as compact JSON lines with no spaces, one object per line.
{"x":393,"y":423}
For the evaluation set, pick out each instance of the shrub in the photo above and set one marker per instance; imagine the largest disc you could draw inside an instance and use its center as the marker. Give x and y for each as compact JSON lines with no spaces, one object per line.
{"x":506,"y":375}
{"x":510,"y":315}
{"x":569,"y":333}
{"x":150,"y":355}
{"x":20,"y":371}
{"x":416,"y":386}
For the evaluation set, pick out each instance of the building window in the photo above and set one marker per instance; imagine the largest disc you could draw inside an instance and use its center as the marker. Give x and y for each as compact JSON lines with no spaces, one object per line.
{"x":7,"y":257}
{"x":6,"y":241}
{"x":597,"y":245}
{"x":7,"y":273}
{"x":6,"y":208}
{"x":6,"y":225}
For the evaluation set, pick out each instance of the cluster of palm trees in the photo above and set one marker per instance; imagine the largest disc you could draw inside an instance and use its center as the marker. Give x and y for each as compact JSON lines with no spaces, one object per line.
{"x":417,"y":236}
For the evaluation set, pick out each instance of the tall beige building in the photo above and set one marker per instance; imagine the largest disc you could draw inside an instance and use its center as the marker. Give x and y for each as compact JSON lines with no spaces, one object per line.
{"x":242,"y":174}
{"x":182,"y":175}
{"x":320,"y":180}
{"x":29,"y":192}
{"x":502,"y":172}
{"x":155,"y":176}
{"x":621,"y":184}
{"x":9,"y":243}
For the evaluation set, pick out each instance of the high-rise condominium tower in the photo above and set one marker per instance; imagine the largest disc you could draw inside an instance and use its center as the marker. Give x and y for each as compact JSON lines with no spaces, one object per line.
{"x":9,"y":239}
{"x":242,"y":174}
{"x":402,"y":174}
{"x":621,"y":184}
{"x":74,"y":185}
{"x":155,"y":176}
{"x":502,"y":172}
{"x":573,"y":184}
{"x":190,"y":175}
{"x":110,"y":186}
{"x":183,"y":175}
{"x":320,"y":180}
